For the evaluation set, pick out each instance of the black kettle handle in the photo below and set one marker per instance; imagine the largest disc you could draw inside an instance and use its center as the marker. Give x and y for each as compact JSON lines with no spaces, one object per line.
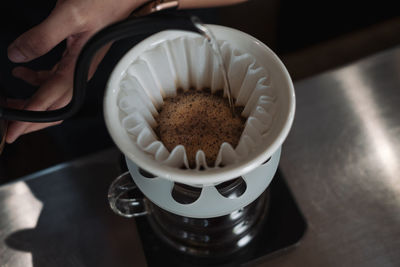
{"x":124,"y":29}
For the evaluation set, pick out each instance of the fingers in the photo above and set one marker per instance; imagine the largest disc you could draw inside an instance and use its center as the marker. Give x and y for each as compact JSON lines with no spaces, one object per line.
{"x":35,"y":78}
{"x":55,"y":86}
{"x":53,"y":93}
{"x":16,"y":103}
{"x":61,"y":23}
{"x":97,"y":59}
{"x":39,"y":126}
{"x":75,"y":44}
{"x":14,"y":130}
{"x":17,"y":128}
{"x":62,"y":101}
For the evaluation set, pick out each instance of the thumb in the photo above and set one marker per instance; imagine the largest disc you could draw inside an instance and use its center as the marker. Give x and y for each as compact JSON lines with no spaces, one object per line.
{"x":39,"y":40}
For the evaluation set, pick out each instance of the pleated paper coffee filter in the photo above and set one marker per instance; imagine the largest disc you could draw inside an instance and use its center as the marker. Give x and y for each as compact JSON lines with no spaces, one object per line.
{"x":159,"y":65}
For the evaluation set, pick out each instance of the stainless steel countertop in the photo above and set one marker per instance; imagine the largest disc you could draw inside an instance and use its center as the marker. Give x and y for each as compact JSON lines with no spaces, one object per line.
{"x":341,"y":161}
{"x":61,"y":217}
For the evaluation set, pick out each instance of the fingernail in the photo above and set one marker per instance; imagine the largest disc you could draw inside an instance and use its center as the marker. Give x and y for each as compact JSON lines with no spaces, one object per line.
{"x":15,"y":55}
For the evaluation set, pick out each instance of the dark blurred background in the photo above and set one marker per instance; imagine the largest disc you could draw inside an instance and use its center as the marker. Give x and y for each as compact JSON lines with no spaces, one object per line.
{"x":309,"y":36}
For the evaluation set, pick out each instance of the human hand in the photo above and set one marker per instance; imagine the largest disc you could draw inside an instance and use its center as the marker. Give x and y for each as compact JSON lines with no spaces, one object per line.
{"x":74,"y":21}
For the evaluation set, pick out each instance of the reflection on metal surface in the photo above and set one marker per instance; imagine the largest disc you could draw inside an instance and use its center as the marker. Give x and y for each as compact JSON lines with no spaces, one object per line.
{"x":343,"y":165}
{"x":244,"y":241}
{"x":22,"y":208}
{"x":360,"y":93}
{"x":343,"y":181}
{"x":236,"y":214}
{"x":21,"y":195}
{"x":240,"y":228}
{"x":223,"y":235}
{"x":75,"y":224}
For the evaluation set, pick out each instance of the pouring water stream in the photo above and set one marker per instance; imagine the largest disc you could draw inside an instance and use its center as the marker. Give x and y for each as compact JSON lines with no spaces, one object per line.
{"x":206,"y":32}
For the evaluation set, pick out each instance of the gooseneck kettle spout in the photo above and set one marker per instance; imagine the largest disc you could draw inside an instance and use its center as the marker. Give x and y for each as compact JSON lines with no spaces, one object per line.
{"x":130,"y":27}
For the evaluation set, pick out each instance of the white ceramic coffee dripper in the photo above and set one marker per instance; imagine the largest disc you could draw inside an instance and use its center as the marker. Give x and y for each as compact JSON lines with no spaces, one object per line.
{"x":256,"y":173}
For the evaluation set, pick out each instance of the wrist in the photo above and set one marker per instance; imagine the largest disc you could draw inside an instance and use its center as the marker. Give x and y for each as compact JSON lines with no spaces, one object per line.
{"x":155,"y":6}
